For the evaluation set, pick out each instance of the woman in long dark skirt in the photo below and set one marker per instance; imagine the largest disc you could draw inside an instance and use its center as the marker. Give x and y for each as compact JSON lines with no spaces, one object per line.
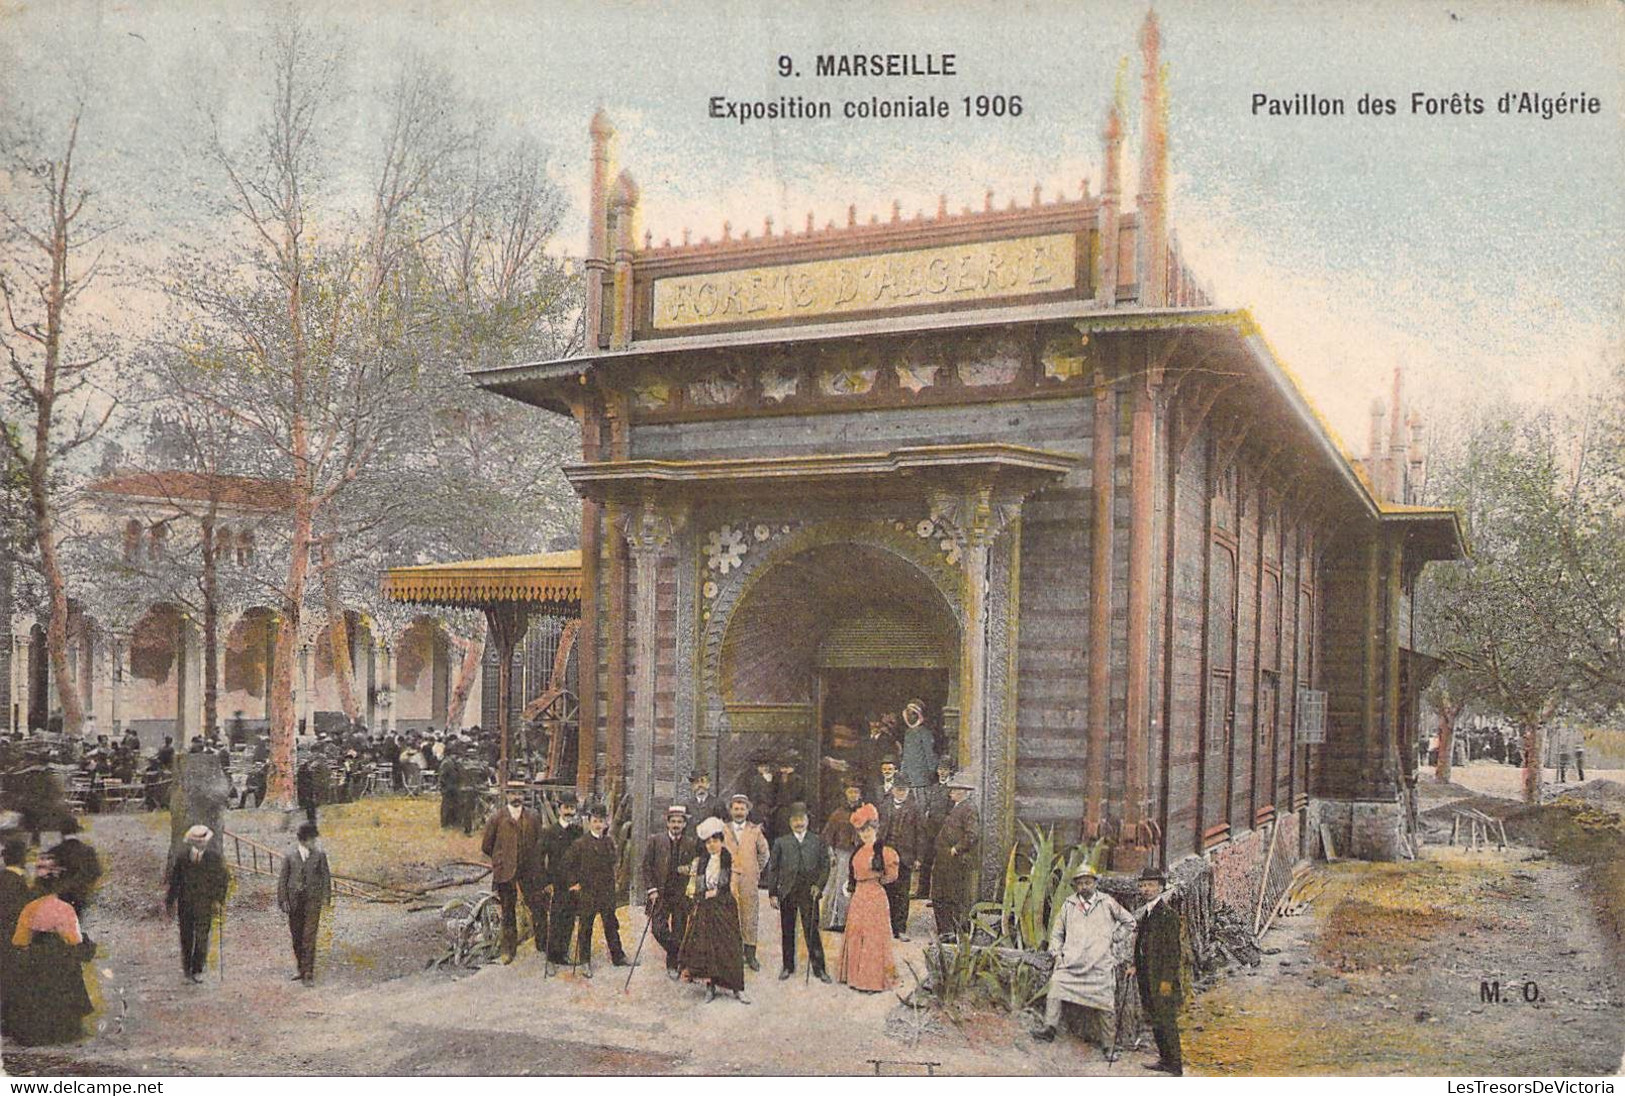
{"x":52,"y":1000}
{"x":714,"y":952}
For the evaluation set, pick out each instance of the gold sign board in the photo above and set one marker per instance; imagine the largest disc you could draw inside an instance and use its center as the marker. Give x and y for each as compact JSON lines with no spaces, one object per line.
{"x":988,"y":271}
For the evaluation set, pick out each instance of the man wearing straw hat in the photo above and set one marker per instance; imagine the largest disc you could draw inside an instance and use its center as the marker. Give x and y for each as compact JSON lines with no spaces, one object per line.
{"x":668,"y":859}
{"x":748,"y":849}
{"x":197,"y":885}
{"x":1085,"y":970}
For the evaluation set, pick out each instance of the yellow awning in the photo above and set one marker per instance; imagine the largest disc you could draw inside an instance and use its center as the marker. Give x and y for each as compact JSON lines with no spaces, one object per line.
{"x":539,"y":579}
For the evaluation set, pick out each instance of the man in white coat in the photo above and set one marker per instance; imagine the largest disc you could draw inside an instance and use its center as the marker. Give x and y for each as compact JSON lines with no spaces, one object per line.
{"x":747,"y":845}
{"x":1085,"y":970}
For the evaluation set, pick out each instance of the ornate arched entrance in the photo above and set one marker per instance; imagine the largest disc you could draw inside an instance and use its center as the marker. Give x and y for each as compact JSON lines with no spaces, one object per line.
{"x":823,"y":632}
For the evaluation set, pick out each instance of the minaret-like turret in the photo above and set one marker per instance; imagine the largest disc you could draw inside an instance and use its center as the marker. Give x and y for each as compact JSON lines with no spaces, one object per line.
{"x":1111,"y":190}
{"x":623,"y":215}
{"x":603,"y":133}
{"x":1153,"y":197}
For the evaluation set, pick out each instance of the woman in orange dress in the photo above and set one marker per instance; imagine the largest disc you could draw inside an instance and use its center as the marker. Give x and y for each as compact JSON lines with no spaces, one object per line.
{"x":866,"y":958}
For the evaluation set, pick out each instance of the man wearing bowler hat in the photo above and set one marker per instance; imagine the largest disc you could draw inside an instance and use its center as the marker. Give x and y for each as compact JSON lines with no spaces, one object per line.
{"x":796,"y":869}
{"x":1156,"y":968}
{"x":303,"y":890}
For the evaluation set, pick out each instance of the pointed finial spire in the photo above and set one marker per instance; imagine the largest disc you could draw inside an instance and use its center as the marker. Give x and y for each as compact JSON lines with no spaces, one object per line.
{"x":727,"y":230}
{"x":896,"y":211}
{"x":648,"y":239}
{"x":767,"y":226}
{"x":687,"y":236}
{"x":1038,"y":195}
{"x":942,"y":206}
{"x":851,"y":216}
{"x":809,"y":222}
{"x":987,"y":201}
{"x":626,"y":190}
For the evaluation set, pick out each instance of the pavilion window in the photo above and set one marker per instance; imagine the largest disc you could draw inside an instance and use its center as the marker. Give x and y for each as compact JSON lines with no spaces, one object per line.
{"x":157,"y":541}
{"x":132,"y":541}
{"x":245,"y":548}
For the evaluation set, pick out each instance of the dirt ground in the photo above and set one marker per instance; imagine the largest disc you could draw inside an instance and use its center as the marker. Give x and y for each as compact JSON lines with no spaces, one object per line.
{"x":1384,"y":974}
{"x":376,"y":1010}
{"x":1381,"y":976}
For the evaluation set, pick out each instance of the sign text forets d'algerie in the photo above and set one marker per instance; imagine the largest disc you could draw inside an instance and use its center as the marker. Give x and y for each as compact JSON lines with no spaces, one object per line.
{"x":1023,"y":267}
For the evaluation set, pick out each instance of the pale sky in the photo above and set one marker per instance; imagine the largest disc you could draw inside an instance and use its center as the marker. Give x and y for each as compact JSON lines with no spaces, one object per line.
{"x":1481,"y":253}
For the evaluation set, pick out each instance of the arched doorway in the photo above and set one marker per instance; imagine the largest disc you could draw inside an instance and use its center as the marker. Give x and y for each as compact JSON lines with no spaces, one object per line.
{"x":820,"y":640}
{"x":245,"y":672}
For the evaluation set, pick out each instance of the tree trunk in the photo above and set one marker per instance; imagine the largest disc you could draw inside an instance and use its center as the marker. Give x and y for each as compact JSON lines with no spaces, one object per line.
{"x":211,"y":626}
{"x":338,"y":635}
{"x":1533,"y":758}
{"x":279,"y":789}
{"x":1447,"y":743}
{"x":56,"y":629}
{"x":473,"y":650}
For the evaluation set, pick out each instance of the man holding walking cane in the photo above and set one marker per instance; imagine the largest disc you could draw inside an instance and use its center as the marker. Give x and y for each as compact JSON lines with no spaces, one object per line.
{"x":796,"y":869}
{"x":667,"y":861}
{"x":197,"y":884}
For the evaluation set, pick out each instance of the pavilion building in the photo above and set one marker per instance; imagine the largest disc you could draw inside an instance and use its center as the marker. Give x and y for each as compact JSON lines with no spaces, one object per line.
{"x":1013,"y":461}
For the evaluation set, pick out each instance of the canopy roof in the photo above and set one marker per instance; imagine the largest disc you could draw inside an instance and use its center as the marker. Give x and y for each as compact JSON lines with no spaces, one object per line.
{"x":544,"y":578}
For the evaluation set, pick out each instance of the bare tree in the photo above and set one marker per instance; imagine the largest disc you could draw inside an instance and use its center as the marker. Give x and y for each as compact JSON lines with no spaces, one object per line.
{"x":55,"y":404}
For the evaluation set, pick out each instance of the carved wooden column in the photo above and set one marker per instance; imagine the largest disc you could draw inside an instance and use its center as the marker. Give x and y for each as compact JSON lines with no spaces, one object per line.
{"x":1142,"y":512}
{"x":1103,"y":478}
{"x":975,"y":515}
{"x":649,"y":527}
{"x":507,"y":622}
{"x":1389,"y":742}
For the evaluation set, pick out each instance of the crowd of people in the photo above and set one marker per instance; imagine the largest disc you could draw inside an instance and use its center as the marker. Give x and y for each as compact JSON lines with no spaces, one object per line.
{"x":902,"y":827}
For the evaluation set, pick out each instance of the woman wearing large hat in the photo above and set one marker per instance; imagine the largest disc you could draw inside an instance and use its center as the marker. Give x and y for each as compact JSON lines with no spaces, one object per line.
{"x":866,"y":951}
{"x":713,"y":952}
{"x":52,"y":1001}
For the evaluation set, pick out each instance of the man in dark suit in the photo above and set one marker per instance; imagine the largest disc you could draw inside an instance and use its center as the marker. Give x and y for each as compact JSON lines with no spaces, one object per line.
{"x":700,"y":802}
{"x":513,"y":841}
{"x":1156,"y":969}
{"x":561,"y":913}
{"x":796,"y":870}
{"x":934,"y":806}
{"x":791,"y":791}
{"x":197,"y":886}
{"x":762,"y":787}
{"x":305,"y":781}
{"x":668,"y":861}
{"x":903,"y":829}
{"x":451,"y":788}
{"x":876,"y":744}
{"x":953,"y":876}
{"x":303,"y":890}
{"x":590,"y":867}
{"x":882,"y":781}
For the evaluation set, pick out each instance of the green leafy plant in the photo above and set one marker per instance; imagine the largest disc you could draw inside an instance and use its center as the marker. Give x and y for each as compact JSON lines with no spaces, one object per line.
{"x":997,"y":958}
